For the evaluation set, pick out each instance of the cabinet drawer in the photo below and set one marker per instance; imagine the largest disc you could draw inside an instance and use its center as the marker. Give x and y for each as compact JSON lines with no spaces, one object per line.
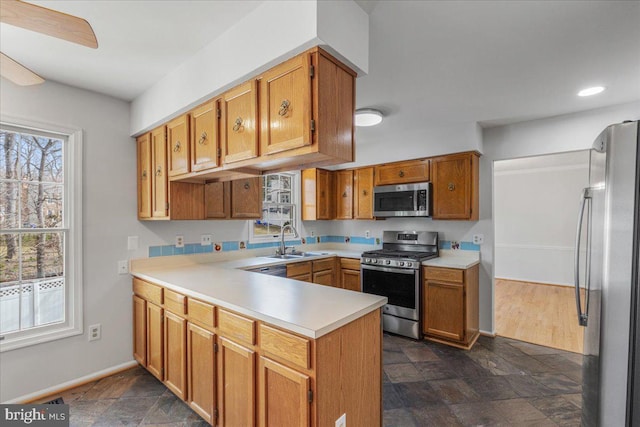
{"x":236,"y":327}
{"x":298,"y":268}
{"x":402,"y":172}
{"x":175,"y":302}
{"x":287,"y":346}
{"x":302,"y":277}
{"x":147,"y":291}
{"x":323,"y":264}
{"x":201,"y":313}
{"x":445,"y":274}
{"x":350,"y":263}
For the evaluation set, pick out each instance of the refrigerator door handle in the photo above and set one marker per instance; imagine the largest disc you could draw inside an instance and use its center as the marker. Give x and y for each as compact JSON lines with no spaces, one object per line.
{"x":585,"y":202}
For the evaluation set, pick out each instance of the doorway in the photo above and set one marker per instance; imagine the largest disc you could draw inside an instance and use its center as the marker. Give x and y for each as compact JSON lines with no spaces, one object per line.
{"x":535,"y":213}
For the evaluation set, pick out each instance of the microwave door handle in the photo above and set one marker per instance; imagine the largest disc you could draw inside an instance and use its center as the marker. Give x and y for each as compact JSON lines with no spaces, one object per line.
{"x":582,"y":317}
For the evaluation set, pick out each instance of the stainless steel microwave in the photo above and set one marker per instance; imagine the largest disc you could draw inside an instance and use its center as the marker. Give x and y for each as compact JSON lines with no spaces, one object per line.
{"x":402,"y":200}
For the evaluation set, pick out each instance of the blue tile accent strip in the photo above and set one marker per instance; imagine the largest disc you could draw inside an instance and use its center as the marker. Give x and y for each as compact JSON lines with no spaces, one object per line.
{"x":445,"y":244}
{"x":331,"y":239}
{"x":155,"y":251}
{"x":469,"y":246}
{"x":230,"y":246}
{"x":358,"y":240}
{"x":167,"y":250}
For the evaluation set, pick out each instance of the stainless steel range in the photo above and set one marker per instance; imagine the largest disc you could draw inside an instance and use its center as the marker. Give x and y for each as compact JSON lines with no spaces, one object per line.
{"x":395,"y":272}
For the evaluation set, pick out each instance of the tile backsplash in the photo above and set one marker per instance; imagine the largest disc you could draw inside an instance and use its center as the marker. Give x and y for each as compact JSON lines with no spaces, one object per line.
{"x":197,"y":248}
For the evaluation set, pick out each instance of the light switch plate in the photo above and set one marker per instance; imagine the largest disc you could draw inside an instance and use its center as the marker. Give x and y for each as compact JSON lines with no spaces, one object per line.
{"x":132,"y":243}
{"x":123,"y":267}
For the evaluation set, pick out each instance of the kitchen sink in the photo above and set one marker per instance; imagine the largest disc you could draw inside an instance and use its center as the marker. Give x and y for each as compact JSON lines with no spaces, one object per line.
{"x":297,"y":255}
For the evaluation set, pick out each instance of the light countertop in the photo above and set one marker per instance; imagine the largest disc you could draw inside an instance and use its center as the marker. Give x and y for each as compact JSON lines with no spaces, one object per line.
{"x":454,"y":259}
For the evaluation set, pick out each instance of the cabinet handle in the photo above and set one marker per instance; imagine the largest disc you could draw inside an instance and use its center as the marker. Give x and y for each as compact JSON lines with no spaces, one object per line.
{"x":364,"y":192}
{"x":238,"y":124}
{"x":284,"y":107}
{"x":344,"y":194}
{"x":203,"y":138}
{"x":176,"y":148}
{"x":159,"y":171}
{"x":401,"y":174}
{"x":144,"y":174}
{"x":246,"y":186}
{"x":451,"y":186}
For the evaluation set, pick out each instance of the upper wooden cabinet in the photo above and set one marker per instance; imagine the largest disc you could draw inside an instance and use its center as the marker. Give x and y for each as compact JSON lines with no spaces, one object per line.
{"x":285,"y":106}
{"x":205,"y":136}
{"x":455,"y":186}
{"x":178,"y":146}
{"x":159,"y":181}
{"x":344,"y":194}
{"x":363,"y":193}
{"x":318,"y":194}
{"x":144,"y":175}
{"x":239,"y":127}
{"x":246,"y":198}
{"x":217,"y":200}
{"x":402,"y":172}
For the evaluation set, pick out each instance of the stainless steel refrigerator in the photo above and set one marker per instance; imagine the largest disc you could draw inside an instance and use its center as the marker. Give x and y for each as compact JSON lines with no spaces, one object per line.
{"x":606,"y":277}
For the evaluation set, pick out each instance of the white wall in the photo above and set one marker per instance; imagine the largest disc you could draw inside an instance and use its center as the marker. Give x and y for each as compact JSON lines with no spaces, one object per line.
{"x":535,"y":203}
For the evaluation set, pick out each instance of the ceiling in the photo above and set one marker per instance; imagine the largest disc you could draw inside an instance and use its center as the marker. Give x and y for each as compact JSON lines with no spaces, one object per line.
{"x":492,"y":62}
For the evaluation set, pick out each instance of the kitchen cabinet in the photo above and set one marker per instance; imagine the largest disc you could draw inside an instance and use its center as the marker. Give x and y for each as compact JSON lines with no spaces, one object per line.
{"x":350,"y":274}
{"x":455,"y":186}
{"x":201,"y":371}
{"x":148,"y":326}
{"x":246,"y":198}
{"x":178,"y":146}
{"x":450,"y":305}
{"x":143,"y":144}
{"x":205,"y":138}
{"x":300,"y":271}
{"x":318,"y":194}
{"x":236,"y":386}
{"x":363,"y":193}
{"x":238,"y":126}
{"x":217,"y":200}
{"x":175,"y":354}
{"x":277,"y":384}
{"x":344,"y":194}
{"x":159,"y":181}
{"x":140,"y":330}
{"x":403,"y":172}
{"x":155,"y":335}
{"x":324,"y":272}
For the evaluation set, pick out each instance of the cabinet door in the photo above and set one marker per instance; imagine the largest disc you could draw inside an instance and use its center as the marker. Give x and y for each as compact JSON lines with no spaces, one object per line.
{"x":455,"y":187}
{"x":402,"y":172}
{"x":159,"y":187}
{"x":217,"y":199}
{"x":283,"y":396}
{"x":285,"y":106}
{"x":246,"y":198}
{"x":363,"y":193}
{"x":238,"y":126}
{"x":201,"y":371}
{"x":140,"y":330}
{"x":344,"y":194}
{"x":350,"y":279}
{"x":236,"y":384}
{"x":144,"y":175}
{"x":325,"y":195}
{"x":204,"y":136}
{"x":178,"y":145}
{"x":444,"y":310}
{"x":154,"y":340}
{"x":325,"y":277}
{"x":175,"y":354}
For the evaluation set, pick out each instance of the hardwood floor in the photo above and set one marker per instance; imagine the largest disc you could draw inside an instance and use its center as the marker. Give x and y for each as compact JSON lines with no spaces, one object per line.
{"x":537,"y":313}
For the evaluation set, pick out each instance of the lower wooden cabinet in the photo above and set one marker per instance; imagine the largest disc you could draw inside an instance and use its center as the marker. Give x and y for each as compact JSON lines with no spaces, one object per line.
{"x":175,"y":354}
{"x":450,"y":305}
{"x":236,"y":384}
{"x":277,"y":384}
{"x":350,"y":274}
{"x":155,"y":339}
{"x":140,"y":330}
{"x":201,"y":371}
{"x":324,"y":272}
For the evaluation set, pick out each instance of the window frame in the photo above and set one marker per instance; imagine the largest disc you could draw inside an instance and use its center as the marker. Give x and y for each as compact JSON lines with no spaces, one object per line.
{"x":295,"y":201}
{"x":72,"y":206}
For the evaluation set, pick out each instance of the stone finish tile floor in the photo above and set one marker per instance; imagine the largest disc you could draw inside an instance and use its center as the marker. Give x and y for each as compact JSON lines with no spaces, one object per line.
{"x":499,"y":382}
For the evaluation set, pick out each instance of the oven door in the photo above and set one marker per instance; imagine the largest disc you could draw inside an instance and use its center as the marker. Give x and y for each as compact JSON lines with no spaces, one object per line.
{"x":400,"y":286}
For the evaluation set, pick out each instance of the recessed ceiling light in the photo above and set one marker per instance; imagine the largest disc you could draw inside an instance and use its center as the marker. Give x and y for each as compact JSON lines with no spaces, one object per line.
{"x":368,"y":117}
{"x":591,"y":91}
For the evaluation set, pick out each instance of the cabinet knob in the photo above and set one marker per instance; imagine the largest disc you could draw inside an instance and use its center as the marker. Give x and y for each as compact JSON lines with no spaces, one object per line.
{"x":401,"y":174}
{"x":203,"y":138}
{"x":451,"y":186}
{"x":284,"y":107}
{"x":176,"y":148}
{"x":246,"y":186}
{"x":144,"y":174}
{"x":238,"y":124}
{"x":159,"y":171}
{"x":364,"y":192}
{"x":344,"y":194}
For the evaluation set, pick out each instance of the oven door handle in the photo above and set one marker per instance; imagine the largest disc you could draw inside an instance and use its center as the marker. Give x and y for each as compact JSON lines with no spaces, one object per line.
{"x":388,"y":269}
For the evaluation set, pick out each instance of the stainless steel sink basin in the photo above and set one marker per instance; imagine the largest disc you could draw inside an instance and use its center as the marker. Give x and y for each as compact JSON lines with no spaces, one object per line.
{"x":297,"y":255}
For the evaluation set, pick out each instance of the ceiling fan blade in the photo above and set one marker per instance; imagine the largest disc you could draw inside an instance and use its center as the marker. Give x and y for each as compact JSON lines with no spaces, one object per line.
{"x":17,"y":73}
{"x":48,"y":21}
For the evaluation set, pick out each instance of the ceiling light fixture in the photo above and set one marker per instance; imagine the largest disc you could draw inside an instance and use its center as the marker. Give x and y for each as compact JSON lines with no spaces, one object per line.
{"x":368,"y":117}
{"x":591,"y":91}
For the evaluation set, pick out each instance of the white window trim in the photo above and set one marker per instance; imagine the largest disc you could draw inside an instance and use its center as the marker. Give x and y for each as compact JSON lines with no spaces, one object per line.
{"x":297,"y":222}
{"x":73,"y":324}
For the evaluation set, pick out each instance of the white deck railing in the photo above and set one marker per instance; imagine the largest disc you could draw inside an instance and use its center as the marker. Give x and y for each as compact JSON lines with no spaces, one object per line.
{"x":34,"y":303}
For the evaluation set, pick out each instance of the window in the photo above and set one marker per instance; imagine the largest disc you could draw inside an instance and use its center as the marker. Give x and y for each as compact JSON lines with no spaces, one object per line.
{"x":40,"y":272}
{"x":279,"y":208}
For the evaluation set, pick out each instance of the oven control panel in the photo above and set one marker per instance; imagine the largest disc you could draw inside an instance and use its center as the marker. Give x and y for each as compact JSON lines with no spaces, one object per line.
{"x":390,"y":262}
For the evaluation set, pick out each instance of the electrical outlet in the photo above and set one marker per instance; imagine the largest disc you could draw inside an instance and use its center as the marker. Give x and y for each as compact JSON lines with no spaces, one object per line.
{"x":206,"y":240}
{"x":180,"y":241}
{"x":342,"y":421}
{"x":478,"y":239}
{"x":95,"y":332}
{"x":132,"y":243}
{"x":313,"y":233}
{"x":123,"y":267}
{"x":367,"y":234}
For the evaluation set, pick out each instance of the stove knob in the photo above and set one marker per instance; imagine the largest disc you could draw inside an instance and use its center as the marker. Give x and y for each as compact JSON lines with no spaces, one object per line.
{"x":387,"y":262}
{"x":409,"y":264}
{"x":401,"y":263}
{"x":374,"y":261}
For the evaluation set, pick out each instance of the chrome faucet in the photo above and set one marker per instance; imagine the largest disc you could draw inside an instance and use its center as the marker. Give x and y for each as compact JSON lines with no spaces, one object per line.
{"x":283,"y":248}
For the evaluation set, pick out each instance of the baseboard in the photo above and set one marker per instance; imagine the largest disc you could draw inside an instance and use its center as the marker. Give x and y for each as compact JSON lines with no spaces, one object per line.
{"x":60,"y":388}
{"x":533,"y":282}
{"x":487,"y":334}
